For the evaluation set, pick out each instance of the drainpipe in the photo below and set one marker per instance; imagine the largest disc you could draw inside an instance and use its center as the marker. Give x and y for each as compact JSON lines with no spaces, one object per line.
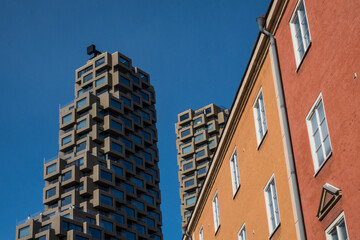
{"x":289,"y":158}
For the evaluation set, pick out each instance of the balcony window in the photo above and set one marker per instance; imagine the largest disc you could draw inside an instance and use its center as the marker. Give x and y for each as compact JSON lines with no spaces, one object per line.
{"x":146,"y":135}
{"x":187,"y":149}
{"x":115,"y":104}
{"x":200,"y":154}
{"x":66,"y":140}
{"x":99,"y":62}
{"x":147,"y":156}
{"x":185,"y":133}
{"x":118,"y":218}
{"x":127,"y":122}
{"x":139,"y":205}
{"x":202,"y":171}
{"x":116,"y":125}
{"x":81,"y":124}
{"x":124,"y":61}
{"x":144,"y":95}
{"x":117,"y":170}
{"x":52,"y":168}
{"x":188,"y":166}
{"x":100,"y":81}
{"x":191,"y":200}
{"x":23,"y":232}
{"x":66,"y":226}
{"x":145,"y":115}
{"x":189,"y":183}
{"x":95,"y":233}
{"x":118,"y":194}
{"x":135,"y":79}
{"x":67,"y":118}
{"x":137,"y":139}
{"x":106,"y":225}
{"x":50,"y":193}
{"x":126,"y":101}
{"x":106,"y":200}
{"x":144,"y":77}
{"x":210,"y":126}
{"x":88,"y":77}
{"x":116,"y":147}
{"x":129,"y":211}
{"x":81,"y":146}
{"x":129,"y":235}
{"x":127,"y":143}
{"x":211,"y":143}
{"x":148,"y":199}
{"x":128,"y":165}
{"x":65,"y":201}
{"x":124,"y":81}
{"x":199,"y":137}
{"x":136,"y":118}
{"x":128,"y":188}
{"x":66,"y":176}
{"x":184,"y":117}
{"x":197,"y":121}
{"x":208,"y":110}
{"x":106,"y":175}
{"x":77,"y":237}
{"x":138,"y":182}
{"x":85,"y":70}
{"x":139,"y":228}
{"x":148,"y":177}
{"x":81,"y":103}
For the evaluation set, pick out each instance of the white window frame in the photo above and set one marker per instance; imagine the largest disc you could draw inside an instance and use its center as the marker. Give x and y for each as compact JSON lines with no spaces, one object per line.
{"x":261,"y":127}
{"x":314,"y":110}
{"x":271,"y":213}
{"x":242,"y":233}
{"x":334,"y":225}
{"x":216,"y":211}
{"x":302,"y":30}
{"x":201,"y":233}
{"x":235,"y":174}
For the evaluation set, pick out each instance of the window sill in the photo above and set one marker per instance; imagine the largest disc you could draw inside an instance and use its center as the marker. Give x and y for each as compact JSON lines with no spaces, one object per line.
{"x":217,"y":230}
{"x":302,"y":59}
{"x":262,"y":140}
{"x":237,"y":190}
{"x":322,"y":165}
{"x":274,"y":231}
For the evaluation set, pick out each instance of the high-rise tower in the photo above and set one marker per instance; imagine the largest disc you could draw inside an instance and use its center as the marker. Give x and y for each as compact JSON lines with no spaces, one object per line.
{"x":104,"y":183}
{"x":197,"y":134}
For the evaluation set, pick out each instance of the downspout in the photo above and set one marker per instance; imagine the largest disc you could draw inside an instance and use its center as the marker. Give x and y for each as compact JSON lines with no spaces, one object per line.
{"x":289,"y":158}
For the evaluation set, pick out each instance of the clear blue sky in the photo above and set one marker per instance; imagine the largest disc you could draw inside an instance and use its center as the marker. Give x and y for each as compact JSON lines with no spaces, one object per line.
{"x":195,"y":51}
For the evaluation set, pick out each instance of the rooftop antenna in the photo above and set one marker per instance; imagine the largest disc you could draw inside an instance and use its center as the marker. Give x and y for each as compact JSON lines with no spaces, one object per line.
{"x":92,"y":50}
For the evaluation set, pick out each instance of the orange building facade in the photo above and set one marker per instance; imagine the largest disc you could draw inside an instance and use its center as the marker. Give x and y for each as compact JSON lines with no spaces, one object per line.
{"x":249,"y":191}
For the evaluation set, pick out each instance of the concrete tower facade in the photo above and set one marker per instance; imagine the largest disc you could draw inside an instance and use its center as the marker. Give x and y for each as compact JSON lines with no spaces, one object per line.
{"x":197,"y":134}
{"x":104,"y":183}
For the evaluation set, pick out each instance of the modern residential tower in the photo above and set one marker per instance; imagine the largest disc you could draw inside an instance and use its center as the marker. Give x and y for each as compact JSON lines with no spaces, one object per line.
{"x":197,"y":135}
{"x":104,"y":183}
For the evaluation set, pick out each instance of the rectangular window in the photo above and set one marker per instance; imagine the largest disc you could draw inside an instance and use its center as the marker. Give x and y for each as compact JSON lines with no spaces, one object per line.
{"x":23,"y":232}
{"x":100,"y":81}
{"x":197,"y":121}
{"x":106,"y":175}
{"x":216,"y":212}
{"x":127,"y":122}
{"x":337,"y":230}
{"x":67,"y":118}
{"x":202,"y":171}
{"x":135,"y":79}
{"x":200,"y":154}
{"x":272,"y":206}
{"x":81,"y":103}
{"x":144,"y":77}
{"x":79,"y":238}
{"x":66,"y":176}
{"x":126,"y":101}
{"x":81,"y":124}
{"x":106,"y":225}
{"x":210,"y":126}
{"x":318,"y":134}
{"x":88,"y":77}
{"x":184,"y":117}
{"x":139,"y":228}
{"x":124,"y":61}
{"x":66,"y":200}
{"x":185,"y":132}
{"x":66,"y":140}
{"x":116,"y":125}
{"x":52,"y":168}
{"x":118,"y":194}
{"x":95,"y":233}
{"x":139,"y":205}
{"x":115,"y":104}
{"x":100,"y":62}
{"x":116,"y":147}
{"x":188,"y":166}
{"x":190,"y":201}
{"x":201,"y":234}
{"x":117,"y":170}
{"x":199,"y":137}
{"x":50,"y":193}
{"x":81,"y":146}
{"x":300,"y":31}
{"x":260,"y":118}
{"x":124,"y":81}
{"x":145,"y":115}
{"x":85,"y":70}
{"x":235,"y":176}
{"x":106,"y":200}
{"x":187,"y":149}
{"x":189,"y":183}
{"x":242,"y":233}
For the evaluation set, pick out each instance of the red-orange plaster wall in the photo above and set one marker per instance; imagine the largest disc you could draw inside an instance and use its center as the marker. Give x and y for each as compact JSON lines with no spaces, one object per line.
{"x":327,"y":68}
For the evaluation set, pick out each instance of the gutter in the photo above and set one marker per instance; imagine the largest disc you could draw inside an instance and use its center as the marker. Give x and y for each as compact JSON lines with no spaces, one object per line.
{"x":285,"y":133}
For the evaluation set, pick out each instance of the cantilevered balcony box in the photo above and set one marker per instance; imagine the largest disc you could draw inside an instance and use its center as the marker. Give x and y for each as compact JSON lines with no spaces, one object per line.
{"x":67,"y":141}
{"x":87,"y":227}
{"x":52,"y":169}
{"x":121,"y":61}
{"x":66,"y":118}
{"x":122,"y":81}
{"x":83,"y":71}
{"x":185,"y":117}
{"x":48,"y":200}
{"x":100,"y":218}
{"x":113,"y":147}
{"x":88,"y":186}
{"x":96,"y":112}
{"x":103,"y":176}
{"x":102,"y":82}
{"x":102,"y":61}
{"x":84,"y":103}
{"x":47,"y":234}
{"x":113,"y":125}
{"x":27,"y":230}
{"x":103,"y":200}
{"x":83,"y":124}
{"x":75,"y":235}
{"x":70,"y":176}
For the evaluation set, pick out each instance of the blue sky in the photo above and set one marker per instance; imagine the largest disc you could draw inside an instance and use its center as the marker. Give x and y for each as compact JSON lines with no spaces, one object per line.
{"x":195,"y":51}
